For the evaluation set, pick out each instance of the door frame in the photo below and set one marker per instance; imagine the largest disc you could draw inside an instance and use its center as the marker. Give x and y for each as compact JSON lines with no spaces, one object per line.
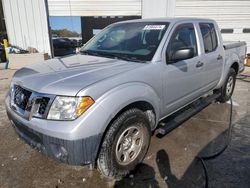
{"x":163,"y":57}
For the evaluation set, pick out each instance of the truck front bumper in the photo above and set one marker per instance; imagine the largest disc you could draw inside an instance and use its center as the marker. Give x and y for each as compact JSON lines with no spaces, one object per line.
{"x":74,"y":152}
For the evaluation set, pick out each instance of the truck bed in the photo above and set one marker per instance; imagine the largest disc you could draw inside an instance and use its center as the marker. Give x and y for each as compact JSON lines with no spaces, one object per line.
{"x":233,"y":44}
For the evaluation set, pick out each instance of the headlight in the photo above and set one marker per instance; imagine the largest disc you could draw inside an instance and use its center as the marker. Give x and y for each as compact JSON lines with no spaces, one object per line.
{"x":69,"y":108}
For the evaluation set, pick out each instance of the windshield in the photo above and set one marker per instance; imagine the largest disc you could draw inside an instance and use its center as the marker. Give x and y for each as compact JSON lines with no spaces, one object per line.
{"x":137,"y":41}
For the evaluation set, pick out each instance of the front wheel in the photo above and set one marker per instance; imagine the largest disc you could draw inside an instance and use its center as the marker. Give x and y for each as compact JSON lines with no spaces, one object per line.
{"x":125,"y":144}
{"x":228,"y":87}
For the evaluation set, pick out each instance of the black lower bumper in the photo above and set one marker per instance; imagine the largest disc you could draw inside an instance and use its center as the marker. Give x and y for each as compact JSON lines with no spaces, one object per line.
{"x":74,"y":152}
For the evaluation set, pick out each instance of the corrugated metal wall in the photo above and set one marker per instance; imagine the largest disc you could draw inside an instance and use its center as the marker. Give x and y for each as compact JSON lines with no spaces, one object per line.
{"x":94,"y":7}
{"x":26,"y":23}
{"x":27,"y":26}
{"x":229,"y":14}
{"x":158,"y":9}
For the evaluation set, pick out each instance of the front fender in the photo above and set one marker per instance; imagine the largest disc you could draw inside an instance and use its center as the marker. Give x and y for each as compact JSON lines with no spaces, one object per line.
{"x":119,"y":97}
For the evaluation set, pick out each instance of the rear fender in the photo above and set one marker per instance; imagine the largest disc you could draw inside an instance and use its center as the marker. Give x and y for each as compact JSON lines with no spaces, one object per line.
{"x":230,"y":60}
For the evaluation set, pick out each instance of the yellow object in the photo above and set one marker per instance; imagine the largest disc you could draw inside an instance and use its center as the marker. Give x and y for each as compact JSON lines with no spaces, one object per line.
{"x":83,"y":105}
{"x":248,"y":61}
{"x":5,"y":44}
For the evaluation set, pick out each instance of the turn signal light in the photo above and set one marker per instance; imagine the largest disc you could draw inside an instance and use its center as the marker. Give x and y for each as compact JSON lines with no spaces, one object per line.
{"x":83,"y":105}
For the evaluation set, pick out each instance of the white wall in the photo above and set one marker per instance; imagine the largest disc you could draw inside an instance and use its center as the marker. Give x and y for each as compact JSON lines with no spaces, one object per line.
{"x":26,"y":24}
{"x":233,"y":14}
{"x":94,"y":7}
{"x":158,"y":8}
{"x":26,"y":20}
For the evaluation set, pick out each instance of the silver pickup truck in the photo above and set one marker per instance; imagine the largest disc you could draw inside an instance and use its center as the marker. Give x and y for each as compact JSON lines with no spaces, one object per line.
{"x":101,"y":106}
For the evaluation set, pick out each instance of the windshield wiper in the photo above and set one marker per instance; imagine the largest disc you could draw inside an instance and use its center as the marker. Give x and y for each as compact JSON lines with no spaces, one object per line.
{"x":113,"y":55}
{"x":88,"y":52}
{"x":97,"y":53}
{"x":127,"y":58}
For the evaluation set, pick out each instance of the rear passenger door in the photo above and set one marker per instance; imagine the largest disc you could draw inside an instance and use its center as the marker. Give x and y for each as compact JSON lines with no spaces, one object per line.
{"x":211,"y":56}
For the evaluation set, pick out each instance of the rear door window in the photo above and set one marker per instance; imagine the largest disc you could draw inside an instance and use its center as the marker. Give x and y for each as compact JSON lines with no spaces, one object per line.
{"x":209,"y":37}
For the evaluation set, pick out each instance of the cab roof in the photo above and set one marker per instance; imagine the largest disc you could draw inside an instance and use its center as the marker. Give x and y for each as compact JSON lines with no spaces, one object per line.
{"x":169,"y":19}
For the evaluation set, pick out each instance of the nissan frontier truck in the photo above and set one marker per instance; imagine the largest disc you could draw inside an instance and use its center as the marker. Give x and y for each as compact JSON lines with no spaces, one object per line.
{"x":100,"y":107}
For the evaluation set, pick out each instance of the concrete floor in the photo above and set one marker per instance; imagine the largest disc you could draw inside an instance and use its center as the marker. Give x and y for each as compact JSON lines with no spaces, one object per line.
{"x":170,"y":161}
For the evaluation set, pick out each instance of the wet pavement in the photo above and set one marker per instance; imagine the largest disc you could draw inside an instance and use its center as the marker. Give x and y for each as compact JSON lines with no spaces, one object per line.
{"x":170,"y":162}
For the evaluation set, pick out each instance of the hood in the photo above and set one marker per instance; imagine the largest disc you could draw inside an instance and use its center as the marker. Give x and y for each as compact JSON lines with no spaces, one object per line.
{"x":69,"y":75}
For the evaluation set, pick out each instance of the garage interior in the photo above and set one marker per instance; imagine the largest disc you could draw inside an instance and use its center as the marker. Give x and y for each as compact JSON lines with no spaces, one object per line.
{"x":3,"y":33}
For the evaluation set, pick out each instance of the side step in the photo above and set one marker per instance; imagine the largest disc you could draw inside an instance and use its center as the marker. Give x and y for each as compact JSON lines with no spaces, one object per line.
{"x":175,"y":120}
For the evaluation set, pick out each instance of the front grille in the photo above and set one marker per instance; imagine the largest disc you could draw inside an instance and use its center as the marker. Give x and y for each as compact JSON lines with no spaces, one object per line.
{"x":21,"y":97}
{"x":43,"y":105}
{"x":25,"y":102}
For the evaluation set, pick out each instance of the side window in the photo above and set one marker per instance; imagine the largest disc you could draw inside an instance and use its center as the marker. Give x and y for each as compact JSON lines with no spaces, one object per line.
{"x":182,"y":38}
{"x":214,"y":36}
{"x":209,"y":37}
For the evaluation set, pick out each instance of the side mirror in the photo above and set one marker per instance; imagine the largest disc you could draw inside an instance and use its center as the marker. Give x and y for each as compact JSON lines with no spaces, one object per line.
{"x":182,"y":54}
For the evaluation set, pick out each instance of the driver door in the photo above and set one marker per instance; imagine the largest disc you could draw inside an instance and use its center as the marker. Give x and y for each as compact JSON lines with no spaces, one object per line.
{"x":182,"y":83}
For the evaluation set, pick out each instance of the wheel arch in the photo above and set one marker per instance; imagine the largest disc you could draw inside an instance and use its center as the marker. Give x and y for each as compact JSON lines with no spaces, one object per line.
{"x":231,"y":62}
{"x":144,"y":106}
{"x":235,"y":66}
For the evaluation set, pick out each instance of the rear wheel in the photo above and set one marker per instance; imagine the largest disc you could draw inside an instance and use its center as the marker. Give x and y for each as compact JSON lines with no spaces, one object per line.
{"x":228,"y":87}
{"x":125,"y":144}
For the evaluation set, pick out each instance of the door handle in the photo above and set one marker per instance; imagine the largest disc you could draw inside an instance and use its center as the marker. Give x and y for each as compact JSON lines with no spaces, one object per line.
{"x":199,"y":64}
{"x":219,"y":57}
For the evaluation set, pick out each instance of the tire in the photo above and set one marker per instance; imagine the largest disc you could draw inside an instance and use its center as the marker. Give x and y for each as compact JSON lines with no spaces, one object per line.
{"x":125,"y":144}
{"x":228,"y":87}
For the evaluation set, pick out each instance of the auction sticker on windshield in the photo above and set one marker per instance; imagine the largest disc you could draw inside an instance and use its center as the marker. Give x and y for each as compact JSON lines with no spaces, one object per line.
{"x":154,"y":27}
